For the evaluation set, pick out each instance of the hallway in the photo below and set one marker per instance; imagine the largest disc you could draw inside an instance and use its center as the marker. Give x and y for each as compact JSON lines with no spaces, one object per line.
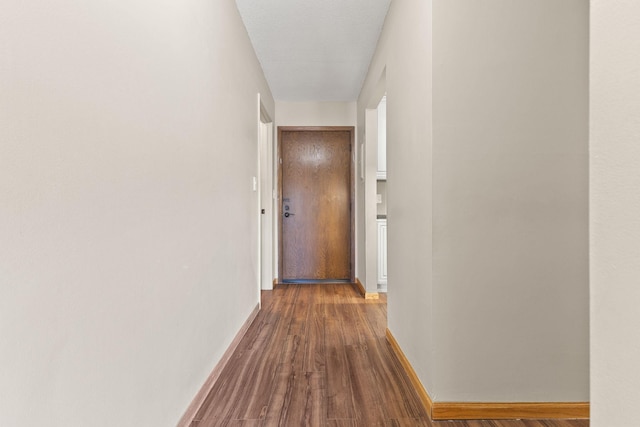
{"x":316,"y":355}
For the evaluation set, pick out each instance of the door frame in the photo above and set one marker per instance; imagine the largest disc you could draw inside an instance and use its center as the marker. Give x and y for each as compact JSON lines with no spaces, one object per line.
{"x":265,"y":256}
{"x":265,"y":199}
{"x":352,"y":148}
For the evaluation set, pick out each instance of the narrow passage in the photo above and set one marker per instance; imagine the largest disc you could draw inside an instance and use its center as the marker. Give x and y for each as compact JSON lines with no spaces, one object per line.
{"x":317,"y":355}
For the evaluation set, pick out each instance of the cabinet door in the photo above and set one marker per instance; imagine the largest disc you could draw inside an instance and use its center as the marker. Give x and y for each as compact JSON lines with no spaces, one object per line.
{"x":382,"y":251}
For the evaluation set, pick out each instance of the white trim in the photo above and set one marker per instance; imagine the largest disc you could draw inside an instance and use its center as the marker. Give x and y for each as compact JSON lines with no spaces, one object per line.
{"x":265,"y":200}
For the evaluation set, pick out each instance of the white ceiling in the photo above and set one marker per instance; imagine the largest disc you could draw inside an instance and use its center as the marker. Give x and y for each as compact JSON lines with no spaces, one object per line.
{"x":314,"y":50}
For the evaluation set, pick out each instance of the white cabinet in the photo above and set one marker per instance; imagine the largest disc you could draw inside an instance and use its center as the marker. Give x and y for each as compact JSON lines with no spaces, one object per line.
{"x":382,"y":252}
{"x":382,"y":139}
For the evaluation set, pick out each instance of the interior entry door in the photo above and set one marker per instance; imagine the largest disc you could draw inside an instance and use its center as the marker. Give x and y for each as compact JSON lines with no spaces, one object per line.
{"x":315,"y":211}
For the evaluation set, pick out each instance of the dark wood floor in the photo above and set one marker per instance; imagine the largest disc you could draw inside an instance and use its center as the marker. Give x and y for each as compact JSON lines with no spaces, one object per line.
{"x":316,"y":355}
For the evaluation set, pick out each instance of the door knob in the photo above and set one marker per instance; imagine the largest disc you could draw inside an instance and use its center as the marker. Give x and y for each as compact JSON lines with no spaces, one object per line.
{"x":288,"y":214}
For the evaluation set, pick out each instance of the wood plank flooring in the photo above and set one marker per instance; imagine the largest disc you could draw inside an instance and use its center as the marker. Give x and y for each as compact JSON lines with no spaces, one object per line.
{"x":316,"y":355}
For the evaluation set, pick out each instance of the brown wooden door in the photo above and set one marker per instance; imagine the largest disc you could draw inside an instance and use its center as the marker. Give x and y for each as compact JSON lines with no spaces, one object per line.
{"x":315,"y":211}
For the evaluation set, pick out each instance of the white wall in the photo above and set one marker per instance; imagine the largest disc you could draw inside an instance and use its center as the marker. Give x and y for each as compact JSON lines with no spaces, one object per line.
{"x":382,"y":135}
{"x":367,"y":204}
{"x":125,"y":267}
{"x":316,"y":113}
{"x":487,"y":195}
{"x":615,"y":209}
{"x":404,"y":48}
{"x":510,"y":198}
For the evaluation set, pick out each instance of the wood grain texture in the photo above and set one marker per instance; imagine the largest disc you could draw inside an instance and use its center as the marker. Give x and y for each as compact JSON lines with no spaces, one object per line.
{"x":367,"y":295}
{"x":489,"y":410}
{"x":509,"y":410}
{"x":319,"y":355}
{"x":316,"y":192}
{"x":359,"y":287}
{"x":201,"y":396}
{"x":413,"y":377}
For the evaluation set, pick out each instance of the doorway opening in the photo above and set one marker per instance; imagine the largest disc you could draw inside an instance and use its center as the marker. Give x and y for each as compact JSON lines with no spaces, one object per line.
{"x":265,"y":199}
{"x":375,"y":190}
{"x":381,"y":195}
